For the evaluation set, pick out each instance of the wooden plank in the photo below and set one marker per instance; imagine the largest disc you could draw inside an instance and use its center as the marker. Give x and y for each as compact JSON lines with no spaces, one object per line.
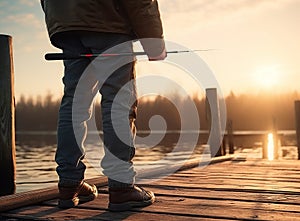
{"x":7,"y":118}
{"x":267,"y":175}
{"x":83,"y":213}
{"x":257,"y":171}
{"x":228,"y":209}
{"x":229,"y":190}
{"x":222,"y":194}
{"x":219,"y":184}
{"x":252,"y":169}
{"x":272,"y":184}
{"x":275,"y":176}
{"x":250,"y":175}
{"x":291,"y":185}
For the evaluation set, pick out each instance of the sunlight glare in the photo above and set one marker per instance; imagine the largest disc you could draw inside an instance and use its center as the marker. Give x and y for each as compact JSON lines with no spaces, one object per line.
{"x":267,"y":76}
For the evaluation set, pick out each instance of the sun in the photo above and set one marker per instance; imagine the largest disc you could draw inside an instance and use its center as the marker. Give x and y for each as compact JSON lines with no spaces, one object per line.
{"x":267,"y":77}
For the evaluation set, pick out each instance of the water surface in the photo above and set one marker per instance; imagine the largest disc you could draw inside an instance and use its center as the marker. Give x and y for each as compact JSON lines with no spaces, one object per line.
{"x":35,"y":152}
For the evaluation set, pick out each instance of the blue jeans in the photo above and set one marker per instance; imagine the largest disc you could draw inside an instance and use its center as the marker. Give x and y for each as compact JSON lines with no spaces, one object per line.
{"x":70,"y":147}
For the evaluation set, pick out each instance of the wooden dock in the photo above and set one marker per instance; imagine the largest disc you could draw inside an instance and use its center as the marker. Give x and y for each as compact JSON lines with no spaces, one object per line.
{"x":237,"y":189}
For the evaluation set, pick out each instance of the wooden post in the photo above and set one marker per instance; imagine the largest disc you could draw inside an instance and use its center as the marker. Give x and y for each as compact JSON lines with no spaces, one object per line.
{"x":215,"y":137}
{"x":7,"y":118}
{"x":230,"y":137}
{"x":223,"y":147}
{"x":297,"y":110}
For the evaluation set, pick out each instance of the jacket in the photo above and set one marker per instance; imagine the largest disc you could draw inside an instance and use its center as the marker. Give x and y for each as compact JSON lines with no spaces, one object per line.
{"x":139,"y":18}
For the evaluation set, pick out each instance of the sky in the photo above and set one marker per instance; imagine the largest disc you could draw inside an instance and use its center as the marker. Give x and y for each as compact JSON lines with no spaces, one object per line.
{"x":256,"y":41}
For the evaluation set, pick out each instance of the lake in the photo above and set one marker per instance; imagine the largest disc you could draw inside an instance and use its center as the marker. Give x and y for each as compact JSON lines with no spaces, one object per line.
{"x":35,"y":152}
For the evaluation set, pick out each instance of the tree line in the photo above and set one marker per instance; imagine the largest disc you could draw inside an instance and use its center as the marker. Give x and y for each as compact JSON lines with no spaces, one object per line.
{"x":247,"y":112}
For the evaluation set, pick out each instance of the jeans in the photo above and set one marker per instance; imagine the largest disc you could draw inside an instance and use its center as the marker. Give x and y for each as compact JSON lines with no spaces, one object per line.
{"x":117,"y":162}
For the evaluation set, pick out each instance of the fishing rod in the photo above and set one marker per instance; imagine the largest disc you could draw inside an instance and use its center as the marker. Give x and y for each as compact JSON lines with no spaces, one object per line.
{"x":69,"y":56}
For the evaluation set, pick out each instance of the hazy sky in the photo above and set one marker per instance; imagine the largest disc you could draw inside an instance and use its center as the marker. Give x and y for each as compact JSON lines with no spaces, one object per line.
{"x":257,"y":41}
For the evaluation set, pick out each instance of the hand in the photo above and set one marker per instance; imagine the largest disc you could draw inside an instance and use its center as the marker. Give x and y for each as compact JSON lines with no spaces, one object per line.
{"x":160,"y":57}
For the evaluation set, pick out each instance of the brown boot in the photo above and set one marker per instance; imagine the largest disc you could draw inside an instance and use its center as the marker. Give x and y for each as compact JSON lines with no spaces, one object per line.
{"x":128,"y":198}
{"x":71,"y":196}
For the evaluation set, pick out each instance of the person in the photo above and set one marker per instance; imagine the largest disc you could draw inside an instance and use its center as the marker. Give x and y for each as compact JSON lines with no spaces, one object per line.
{"x":94,"y":26}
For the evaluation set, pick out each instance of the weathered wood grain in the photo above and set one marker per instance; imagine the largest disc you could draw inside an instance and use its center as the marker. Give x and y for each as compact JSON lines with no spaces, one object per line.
{"x":248,"y":190}
{"x":206,"y":208}
{"x":7,"y":118}
{"x":84,"y":213}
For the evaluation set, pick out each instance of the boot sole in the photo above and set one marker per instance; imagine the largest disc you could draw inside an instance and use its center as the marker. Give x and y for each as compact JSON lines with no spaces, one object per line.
{"x":65,"y":204}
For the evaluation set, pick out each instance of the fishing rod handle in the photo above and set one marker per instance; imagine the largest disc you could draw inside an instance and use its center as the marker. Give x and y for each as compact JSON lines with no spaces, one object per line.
{"x":61,"y":56}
